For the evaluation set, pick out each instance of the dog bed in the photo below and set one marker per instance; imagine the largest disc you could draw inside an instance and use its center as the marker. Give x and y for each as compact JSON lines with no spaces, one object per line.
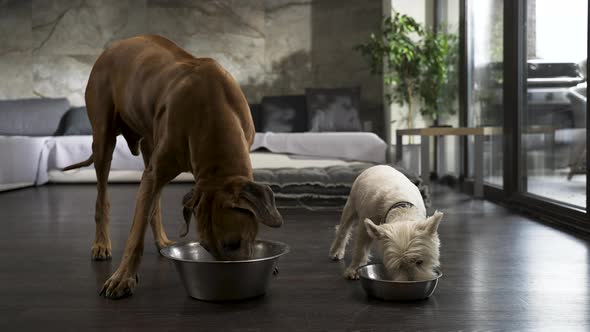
{"x":317,"y":187}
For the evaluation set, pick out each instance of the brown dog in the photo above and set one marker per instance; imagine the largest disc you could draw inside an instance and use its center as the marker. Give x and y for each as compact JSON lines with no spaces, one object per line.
{"x":184,"y":114}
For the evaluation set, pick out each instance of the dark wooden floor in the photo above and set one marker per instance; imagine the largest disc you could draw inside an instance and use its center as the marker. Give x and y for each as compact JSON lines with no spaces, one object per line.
{"x":501,"y":272}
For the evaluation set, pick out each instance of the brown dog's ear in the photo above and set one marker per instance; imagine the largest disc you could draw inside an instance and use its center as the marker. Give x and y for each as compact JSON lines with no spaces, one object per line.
{"x":189,"y":201}
{"x":260,"y":200}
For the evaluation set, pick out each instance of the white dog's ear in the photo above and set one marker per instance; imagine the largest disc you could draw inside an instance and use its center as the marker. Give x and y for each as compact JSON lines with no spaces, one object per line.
{"x":431,"y":223}
{"x":373,"y":230}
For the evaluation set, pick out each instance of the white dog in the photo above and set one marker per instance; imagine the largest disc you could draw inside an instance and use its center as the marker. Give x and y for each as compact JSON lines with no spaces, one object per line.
{"x":390,"y":211}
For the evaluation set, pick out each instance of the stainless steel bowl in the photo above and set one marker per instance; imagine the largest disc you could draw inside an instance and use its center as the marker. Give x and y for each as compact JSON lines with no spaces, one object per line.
{"x":209,"y":279}
{"x":374,"y":281}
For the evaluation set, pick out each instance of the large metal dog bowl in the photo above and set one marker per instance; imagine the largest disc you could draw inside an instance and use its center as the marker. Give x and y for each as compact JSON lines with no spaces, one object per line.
{"x":209,"y":279}
{"x":374,"y":281}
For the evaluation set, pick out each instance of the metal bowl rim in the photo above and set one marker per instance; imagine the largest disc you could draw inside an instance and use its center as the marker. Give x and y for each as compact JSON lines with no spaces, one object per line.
{"x":286,"y":250}
{"x":437,"y":271}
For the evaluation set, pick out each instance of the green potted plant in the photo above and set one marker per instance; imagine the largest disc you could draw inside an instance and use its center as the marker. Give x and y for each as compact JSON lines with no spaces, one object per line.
{"x":438,"y":75}
{"x":416,"y":64}
{"x":396,"y":50}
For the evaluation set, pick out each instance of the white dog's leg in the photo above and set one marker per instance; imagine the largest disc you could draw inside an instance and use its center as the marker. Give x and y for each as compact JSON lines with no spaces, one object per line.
{"x":342,"y":232}
{"x":360,"y":254}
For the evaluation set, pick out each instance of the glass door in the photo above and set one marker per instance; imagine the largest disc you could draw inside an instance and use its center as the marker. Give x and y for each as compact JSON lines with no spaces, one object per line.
{"x":553,"y":119}
{"x":485,"y":28}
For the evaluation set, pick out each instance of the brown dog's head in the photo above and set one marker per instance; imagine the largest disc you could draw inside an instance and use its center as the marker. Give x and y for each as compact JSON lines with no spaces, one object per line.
{"x":228,"y":216}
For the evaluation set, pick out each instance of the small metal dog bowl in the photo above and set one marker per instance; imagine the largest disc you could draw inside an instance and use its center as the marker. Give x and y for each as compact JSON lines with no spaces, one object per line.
{"x":375,"y":283}
{"x":209,"y":279}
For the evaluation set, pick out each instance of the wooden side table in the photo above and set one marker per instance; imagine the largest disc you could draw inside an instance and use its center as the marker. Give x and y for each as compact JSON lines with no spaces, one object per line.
{"x":477,"y":133}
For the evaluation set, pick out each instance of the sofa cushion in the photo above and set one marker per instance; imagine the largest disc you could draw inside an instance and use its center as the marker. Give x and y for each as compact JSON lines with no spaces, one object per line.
{"x":75,"y":122}
{"x":31,"y":117}
{"x":333,"y":109}
{"x":284,"y":114}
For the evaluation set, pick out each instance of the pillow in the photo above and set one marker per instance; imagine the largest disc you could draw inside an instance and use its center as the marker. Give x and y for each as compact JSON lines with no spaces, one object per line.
{"x":334,"y":109}
{"x":75,"y":122}
{"x":255,"y":111}
{"x":284,"y":114}
{"x":31,"y":117}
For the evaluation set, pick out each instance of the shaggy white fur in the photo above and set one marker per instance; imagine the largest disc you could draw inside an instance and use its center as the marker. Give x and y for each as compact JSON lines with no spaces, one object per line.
{"x":405,"y":238}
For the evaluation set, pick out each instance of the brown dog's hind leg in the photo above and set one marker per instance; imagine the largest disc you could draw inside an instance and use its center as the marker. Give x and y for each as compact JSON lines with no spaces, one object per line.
{"x":104,"y":139}
{"x":160,"y":238}
{"x":103,"y":151}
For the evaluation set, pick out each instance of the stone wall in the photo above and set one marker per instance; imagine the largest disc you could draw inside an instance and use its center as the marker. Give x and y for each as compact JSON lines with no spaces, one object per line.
{"x":47,"y":47}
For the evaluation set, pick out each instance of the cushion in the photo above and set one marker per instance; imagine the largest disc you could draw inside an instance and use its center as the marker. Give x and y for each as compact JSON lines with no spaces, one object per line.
{"x":321,"y":186}
{"x":284,"y":114}
{"x":358,"y":146}
{"x":31,"y":117}
{"x":333,"y":109}
{"x":75,"y":122}
{"x":255,"y":111}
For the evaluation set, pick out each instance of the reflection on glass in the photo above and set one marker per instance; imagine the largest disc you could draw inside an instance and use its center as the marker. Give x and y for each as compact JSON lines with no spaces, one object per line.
{"x":449,"y":145}
{"x":486,"y":104}
{"x":554,"y":119}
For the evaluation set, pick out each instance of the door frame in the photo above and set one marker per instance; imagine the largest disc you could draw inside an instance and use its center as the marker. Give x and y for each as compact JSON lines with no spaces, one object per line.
{"x":513,"y":194}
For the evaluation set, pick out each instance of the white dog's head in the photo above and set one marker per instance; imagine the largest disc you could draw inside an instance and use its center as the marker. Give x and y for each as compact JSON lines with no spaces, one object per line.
{"x":410,"y":249}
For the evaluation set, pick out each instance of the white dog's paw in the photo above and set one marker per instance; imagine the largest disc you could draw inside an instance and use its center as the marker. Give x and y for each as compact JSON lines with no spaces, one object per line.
{"x":351,"y":274}
{"x":336,"y":255}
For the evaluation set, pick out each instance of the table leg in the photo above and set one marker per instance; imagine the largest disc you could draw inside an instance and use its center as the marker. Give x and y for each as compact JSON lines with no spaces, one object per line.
{"x":478,"y":166}
{"x":398,"y":148}
{"x":550,"y":154}
{"x":425,"y":159}
{"x":442,"y":153}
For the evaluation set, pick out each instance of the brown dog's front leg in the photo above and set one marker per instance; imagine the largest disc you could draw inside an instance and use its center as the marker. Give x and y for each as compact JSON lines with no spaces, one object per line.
{"x":156,"y":221}
{"x":158,"y":230}
{"x":123,"y":282}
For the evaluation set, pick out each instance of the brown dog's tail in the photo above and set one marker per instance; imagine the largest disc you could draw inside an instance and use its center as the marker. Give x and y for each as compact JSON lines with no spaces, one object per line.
{"x":84,"y":163}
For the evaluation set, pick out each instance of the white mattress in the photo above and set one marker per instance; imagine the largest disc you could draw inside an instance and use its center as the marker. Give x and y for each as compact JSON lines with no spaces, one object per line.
{"x":360,"y":146}
{"x":37,"y":160}
{"x":69,"y":150}
{"x":259,"y":160}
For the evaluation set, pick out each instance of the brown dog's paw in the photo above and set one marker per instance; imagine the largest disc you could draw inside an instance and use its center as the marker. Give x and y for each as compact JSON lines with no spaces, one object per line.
{"x":119,"y":287}
{"x":163,"y":244}
{"x":100,"y":252}
{"x":351,"y":274}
